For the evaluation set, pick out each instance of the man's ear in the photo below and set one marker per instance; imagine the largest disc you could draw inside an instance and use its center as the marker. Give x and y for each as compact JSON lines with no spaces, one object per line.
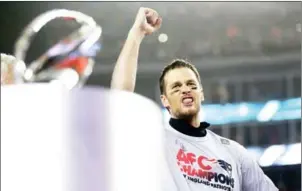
{"x":164,"y":101}
{"x":201,"y":95}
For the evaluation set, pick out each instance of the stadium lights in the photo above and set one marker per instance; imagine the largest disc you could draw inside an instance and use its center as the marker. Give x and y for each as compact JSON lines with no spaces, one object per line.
{"x":271,"y":154}
{"x":276,"y":155}
{"x":292,"y":156}
{"x":268,"y":111}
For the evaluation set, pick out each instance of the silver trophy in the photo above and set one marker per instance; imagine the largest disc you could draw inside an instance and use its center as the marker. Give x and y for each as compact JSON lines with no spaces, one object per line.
{"x":71,"y":60}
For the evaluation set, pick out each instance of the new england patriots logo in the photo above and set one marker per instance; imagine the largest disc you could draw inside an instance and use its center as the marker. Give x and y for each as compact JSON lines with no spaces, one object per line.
{"x":226,"y":166}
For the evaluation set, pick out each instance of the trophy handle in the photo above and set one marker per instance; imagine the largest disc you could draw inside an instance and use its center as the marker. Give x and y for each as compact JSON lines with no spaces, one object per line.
{"x":27,"y":35}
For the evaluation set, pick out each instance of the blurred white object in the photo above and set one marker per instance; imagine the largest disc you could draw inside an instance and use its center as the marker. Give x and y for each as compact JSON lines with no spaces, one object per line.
{"x":12,"y":69}
{"x":136,"y":143}
{"x":33,"y":138}
{"x":84,"y":139}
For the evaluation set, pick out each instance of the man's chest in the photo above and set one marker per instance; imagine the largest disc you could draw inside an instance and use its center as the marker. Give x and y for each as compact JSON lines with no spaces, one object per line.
{"x":203,"y":164}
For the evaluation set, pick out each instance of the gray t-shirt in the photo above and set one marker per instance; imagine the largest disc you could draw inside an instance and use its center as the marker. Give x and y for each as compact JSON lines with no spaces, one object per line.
{"x":210,"y":163}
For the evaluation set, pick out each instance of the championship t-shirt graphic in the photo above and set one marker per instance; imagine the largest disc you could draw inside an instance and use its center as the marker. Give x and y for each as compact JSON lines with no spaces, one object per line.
{"x":211,"y":163}
{"x":200,"y":169}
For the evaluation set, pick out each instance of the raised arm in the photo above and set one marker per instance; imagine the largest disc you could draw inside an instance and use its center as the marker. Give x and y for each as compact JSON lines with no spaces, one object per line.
{"x":124,"y":74}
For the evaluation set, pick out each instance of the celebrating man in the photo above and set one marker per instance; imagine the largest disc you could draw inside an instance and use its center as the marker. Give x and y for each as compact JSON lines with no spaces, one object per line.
{"x":198,"y":159}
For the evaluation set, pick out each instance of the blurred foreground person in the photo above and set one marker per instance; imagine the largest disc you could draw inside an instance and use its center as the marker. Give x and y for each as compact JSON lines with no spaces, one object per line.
{"x":12,"y":70}
{"x":198,"y":159}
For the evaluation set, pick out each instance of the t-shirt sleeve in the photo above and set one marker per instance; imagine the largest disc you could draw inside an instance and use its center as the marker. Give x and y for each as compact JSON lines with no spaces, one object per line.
{"x":253,"y":177}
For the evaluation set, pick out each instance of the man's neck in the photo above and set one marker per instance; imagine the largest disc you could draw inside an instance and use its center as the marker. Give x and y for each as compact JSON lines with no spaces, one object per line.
{"x":186,"y":128}
{"x":194,"y":121}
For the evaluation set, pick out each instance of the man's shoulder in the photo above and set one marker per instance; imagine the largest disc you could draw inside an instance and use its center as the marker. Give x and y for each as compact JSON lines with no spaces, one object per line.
{"x":235,"y":149}
{"x":225,"y":141}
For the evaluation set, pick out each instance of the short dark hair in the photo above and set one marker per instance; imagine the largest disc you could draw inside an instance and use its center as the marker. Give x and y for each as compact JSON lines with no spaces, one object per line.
{"x":177,"y":63}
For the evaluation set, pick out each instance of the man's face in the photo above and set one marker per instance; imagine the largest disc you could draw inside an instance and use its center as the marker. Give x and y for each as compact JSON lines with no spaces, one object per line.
{"x":183,"y":93}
